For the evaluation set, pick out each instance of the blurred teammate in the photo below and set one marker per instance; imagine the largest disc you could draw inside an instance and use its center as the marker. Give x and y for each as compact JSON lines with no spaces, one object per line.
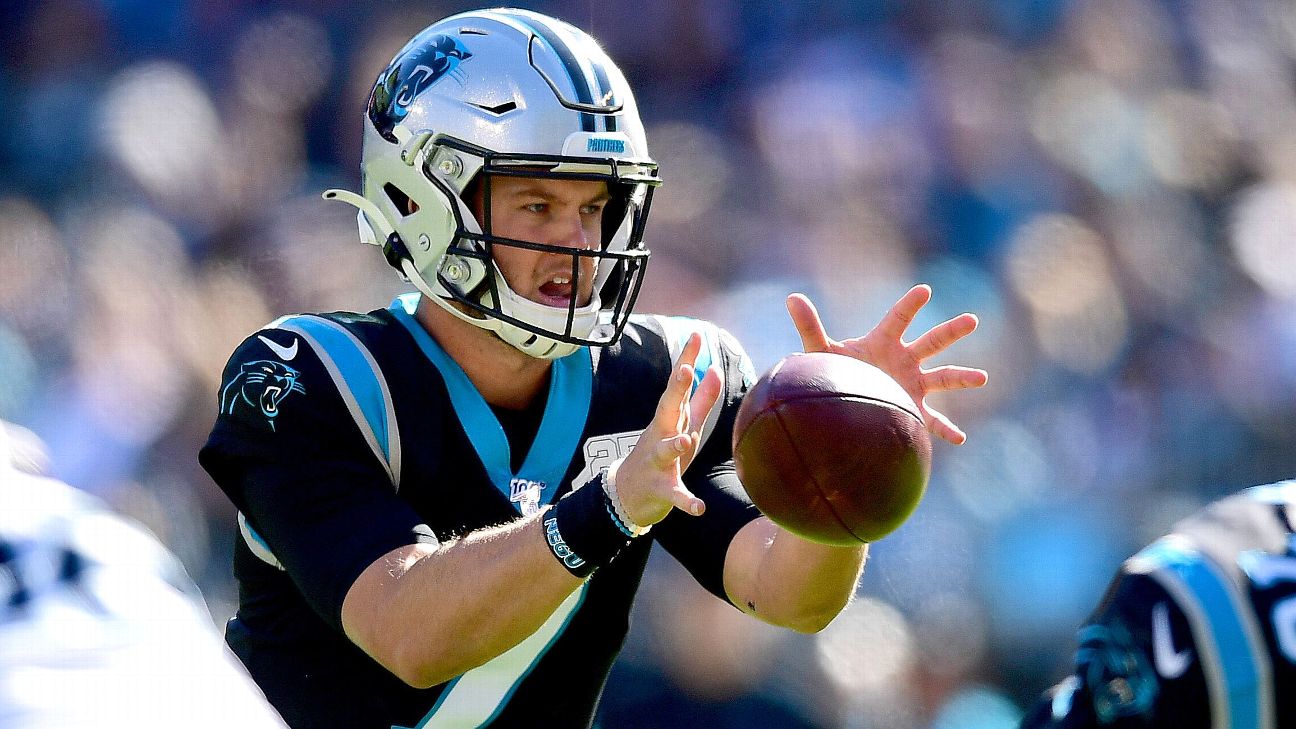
{"x":99,"y":624}
{"x":446,"y":505}
{"x":1196,"y":630}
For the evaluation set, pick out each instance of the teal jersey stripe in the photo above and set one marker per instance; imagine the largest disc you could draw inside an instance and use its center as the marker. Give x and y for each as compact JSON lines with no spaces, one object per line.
{"x":570,"y":389}
{"x":477,"y":697}
{"x":1231,"y":649}
{"x":359,"y":381}
{"x":678,"y":329}
{"x":257,"y":543}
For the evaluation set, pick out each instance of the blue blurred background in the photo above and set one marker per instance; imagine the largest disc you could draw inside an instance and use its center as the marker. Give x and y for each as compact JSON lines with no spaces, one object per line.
{"x":1109,"y":184}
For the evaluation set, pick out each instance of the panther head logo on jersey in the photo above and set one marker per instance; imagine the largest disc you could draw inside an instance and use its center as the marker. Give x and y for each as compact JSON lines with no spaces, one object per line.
{"x":1117,"y":673}
{"x":262,"y":384}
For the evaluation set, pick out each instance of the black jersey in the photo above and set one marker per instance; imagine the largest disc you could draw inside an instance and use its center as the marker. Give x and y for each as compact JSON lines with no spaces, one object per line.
{"x":1198,"y":630}
{"x":344,"y":436}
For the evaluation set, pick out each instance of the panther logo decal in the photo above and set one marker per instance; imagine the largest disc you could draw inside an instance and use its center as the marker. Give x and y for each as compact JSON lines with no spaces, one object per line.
{"x":410,"y":75}
{"x":262,"y":384}
{"x":1121,"y":681}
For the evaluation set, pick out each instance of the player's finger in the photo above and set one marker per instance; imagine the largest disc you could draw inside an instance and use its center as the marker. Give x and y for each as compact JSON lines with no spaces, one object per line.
{"x":940,"y":337}
{"x":902,"y":313}
{"x":692,"y":348}
{"x":942,"y":427}
{"x":674,"y":400}
{"x":808,"y":324}
{"x":667,"y":451}
{"x":691,"y":351}
{"x":953,"y":377}
{"x":704,"y":398}
{"x":684,"y":500}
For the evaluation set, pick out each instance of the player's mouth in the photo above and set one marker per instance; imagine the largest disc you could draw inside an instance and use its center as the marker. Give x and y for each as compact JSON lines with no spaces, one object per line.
{"x":557,"y":291}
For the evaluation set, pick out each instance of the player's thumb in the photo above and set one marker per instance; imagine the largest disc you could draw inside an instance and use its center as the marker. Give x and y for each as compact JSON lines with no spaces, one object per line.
{"x":685,"y":501}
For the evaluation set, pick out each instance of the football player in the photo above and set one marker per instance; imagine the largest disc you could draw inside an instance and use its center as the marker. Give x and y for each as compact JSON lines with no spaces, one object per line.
{"x":446,"y":505}
{"x":1196,"y":630}
{"x":99,"y":623}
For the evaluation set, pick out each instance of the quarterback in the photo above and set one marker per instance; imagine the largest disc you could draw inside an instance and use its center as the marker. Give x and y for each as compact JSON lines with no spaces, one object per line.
{"x":446,"y":505}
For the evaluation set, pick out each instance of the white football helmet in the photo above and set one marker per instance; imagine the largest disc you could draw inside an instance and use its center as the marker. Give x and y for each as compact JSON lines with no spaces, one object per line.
{"x":504,"y":92}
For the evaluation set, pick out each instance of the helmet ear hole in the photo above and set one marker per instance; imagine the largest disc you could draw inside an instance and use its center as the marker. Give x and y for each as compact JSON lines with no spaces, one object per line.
{"x":472,"y":195}
{"x":404,"y":205}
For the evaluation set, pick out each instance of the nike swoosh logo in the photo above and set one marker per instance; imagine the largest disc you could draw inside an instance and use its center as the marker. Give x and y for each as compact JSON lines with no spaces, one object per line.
{"x":285,"y":353}
{"x":1169,"y":662}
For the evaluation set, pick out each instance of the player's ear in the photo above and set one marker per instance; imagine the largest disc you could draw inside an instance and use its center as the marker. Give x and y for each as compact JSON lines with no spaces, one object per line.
{"x":475,"y":197}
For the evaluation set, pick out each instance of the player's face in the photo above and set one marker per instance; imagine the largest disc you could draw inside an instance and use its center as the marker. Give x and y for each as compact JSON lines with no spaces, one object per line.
{"x":566,"y":213}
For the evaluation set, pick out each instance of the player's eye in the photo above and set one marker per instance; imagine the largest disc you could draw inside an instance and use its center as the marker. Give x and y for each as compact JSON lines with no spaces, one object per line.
{"x":592,"y":208}
{"x":536,"y":207}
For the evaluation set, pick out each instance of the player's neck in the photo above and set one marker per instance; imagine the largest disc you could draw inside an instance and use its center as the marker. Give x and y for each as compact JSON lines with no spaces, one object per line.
{"x":503,"y":375}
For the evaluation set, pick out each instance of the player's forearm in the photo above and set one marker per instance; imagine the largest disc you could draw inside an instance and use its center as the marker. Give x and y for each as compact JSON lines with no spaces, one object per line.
{"x":429,"y":614}
{"x":791,"y":582}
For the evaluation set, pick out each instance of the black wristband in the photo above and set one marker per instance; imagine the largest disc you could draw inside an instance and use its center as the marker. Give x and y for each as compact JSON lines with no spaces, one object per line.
{"x":580,"y":532}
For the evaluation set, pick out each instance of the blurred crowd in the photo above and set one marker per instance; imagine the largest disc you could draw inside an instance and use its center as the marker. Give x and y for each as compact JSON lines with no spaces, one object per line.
{"x":1109,"y":184}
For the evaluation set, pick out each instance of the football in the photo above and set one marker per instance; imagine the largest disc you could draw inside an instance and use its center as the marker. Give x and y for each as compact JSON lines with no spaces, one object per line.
{"x":832,"y":449}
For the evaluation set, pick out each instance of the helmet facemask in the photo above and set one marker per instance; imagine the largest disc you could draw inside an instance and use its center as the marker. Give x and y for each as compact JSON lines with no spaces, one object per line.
{"x":470,"y":274}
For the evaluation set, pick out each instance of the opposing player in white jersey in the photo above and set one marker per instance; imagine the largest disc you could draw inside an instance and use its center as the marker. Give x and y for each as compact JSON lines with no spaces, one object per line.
{"x":100,"y":626}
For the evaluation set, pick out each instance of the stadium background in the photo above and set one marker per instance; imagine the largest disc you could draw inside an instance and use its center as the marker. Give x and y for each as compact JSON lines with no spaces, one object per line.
{"x":1110,"y":184}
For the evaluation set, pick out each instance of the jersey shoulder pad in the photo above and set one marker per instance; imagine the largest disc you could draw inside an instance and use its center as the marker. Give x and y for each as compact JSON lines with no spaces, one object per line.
{"x":719,"y":348}
{"x":269,"y":376}
{"x":300,"y":355}
{"x":1255,"y":519}
{"x":720,"y":351}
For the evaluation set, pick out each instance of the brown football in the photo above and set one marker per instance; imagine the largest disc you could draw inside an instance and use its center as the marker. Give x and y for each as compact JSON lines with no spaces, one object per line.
{"x":832,"y":449}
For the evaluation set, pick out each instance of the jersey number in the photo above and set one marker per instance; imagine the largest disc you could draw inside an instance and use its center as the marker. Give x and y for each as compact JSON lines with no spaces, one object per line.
{"x":602,"y":450}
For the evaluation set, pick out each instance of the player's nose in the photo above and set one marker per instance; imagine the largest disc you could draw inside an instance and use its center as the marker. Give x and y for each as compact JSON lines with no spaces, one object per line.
{"x":570,"y":232}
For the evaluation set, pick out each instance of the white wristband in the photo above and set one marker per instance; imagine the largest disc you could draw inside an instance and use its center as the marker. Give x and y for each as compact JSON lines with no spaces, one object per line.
{"x":609,"y":488}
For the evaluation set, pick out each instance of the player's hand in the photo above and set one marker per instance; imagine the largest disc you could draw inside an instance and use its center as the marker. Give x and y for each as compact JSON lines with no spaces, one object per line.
{"x":884,"y":348}
{"x":648,"y":479}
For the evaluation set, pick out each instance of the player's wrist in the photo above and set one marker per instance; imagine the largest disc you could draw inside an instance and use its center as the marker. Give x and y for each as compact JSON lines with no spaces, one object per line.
{"x":582,"y":529}
{"x":616,"y":509}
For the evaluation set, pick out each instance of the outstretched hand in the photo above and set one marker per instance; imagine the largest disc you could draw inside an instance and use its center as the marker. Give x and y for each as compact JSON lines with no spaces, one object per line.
{"x":648,"y":480}
{"x":884,"y":348}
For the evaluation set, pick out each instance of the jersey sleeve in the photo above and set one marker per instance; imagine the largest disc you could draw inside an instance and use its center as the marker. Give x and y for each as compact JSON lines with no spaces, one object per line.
{"x":285,"y":449}
{"x":700,"y":544}
{"x":1191,"y":627}
{"x":1136,"y":661}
